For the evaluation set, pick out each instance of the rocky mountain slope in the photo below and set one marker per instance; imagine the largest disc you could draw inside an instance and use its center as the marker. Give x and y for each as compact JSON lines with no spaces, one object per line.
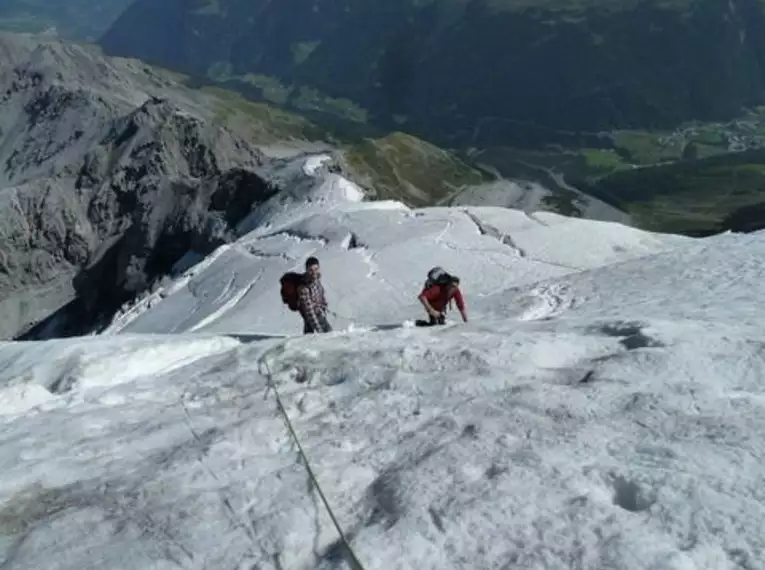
{"x":108,"y":173}
{"x":74,"y":19}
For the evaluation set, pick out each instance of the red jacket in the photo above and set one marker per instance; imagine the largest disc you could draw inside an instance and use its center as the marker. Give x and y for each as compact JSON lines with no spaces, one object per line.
{"x":438,"y":297}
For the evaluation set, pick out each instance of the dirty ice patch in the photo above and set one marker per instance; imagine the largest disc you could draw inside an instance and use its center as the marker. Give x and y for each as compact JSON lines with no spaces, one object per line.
{"x":338,"y":190}
{"x":314,"y":163}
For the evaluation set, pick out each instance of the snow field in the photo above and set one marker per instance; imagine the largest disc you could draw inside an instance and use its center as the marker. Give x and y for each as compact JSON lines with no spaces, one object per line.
{"x":374,"y":258}
{"x":602,"y":410}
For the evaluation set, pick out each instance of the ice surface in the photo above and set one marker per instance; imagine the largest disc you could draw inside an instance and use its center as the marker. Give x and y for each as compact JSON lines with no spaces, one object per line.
{"x":603,"y":408}
{"x":374,"y":257}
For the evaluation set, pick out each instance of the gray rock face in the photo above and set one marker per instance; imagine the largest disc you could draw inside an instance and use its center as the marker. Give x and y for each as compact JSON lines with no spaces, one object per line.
{"x":109,"y":173}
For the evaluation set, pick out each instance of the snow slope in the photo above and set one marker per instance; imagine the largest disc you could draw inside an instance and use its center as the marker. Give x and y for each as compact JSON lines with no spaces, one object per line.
{"x":603,"y":409}
{"x":374,"y":258}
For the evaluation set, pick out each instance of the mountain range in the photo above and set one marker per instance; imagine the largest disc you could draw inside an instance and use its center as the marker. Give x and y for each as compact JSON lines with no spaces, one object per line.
{"x":572,"y":103}
{"x":476,"y":72}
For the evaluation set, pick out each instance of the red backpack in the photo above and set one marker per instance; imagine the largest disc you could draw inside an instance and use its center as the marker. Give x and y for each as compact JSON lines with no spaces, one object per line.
{"x":289,"y":291}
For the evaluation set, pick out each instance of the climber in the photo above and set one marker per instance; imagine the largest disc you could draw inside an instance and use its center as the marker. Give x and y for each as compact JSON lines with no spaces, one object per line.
{"x":312,"y":302}
{"x":439,"y":290}
{"x":304,"y":293}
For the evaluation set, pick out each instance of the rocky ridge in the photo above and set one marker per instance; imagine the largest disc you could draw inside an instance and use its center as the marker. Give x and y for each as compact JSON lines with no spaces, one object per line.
{"x":110,"y":172}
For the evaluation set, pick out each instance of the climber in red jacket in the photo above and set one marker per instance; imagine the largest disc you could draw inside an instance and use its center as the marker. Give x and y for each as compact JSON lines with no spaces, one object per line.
{"x":436,"y":296}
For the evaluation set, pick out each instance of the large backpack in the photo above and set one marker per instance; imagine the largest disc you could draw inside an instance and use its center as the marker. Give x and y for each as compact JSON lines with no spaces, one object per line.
{"x":289,"y":291}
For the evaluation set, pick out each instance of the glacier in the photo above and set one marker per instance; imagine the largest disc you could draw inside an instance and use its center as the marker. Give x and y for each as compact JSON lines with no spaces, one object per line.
{"x":602,"y":409}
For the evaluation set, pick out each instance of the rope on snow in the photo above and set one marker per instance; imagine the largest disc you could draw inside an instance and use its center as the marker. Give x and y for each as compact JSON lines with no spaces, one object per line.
{"x":350,"y":555}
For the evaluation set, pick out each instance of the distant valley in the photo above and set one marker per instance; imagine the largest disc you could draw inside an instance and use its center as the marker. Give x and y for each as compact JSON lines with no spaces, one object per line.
{"x":586,"y":89}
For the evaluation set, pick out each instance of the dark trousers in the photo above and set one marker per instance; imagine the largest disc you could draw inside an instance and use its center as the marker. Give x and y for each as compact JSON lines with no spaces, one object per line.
{"x":432,"y":322}
{"x":324,"y":325}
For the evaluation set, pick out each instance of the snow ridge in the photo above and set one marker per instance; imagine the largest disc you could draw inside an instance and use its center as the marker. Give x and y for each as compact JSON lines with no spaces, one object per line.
{"x":506,"y":239}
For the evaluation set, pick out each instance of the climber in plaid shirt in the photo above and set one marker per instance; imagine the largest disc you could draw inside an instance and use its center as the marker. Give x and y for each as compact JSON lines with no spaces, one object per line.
{"x":312,"y":302}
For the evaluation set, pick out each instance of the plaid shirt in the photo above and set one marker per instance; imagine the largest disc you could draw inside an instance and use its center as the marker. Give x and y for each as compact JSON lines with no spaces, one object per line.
{"x":312,"y":303}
